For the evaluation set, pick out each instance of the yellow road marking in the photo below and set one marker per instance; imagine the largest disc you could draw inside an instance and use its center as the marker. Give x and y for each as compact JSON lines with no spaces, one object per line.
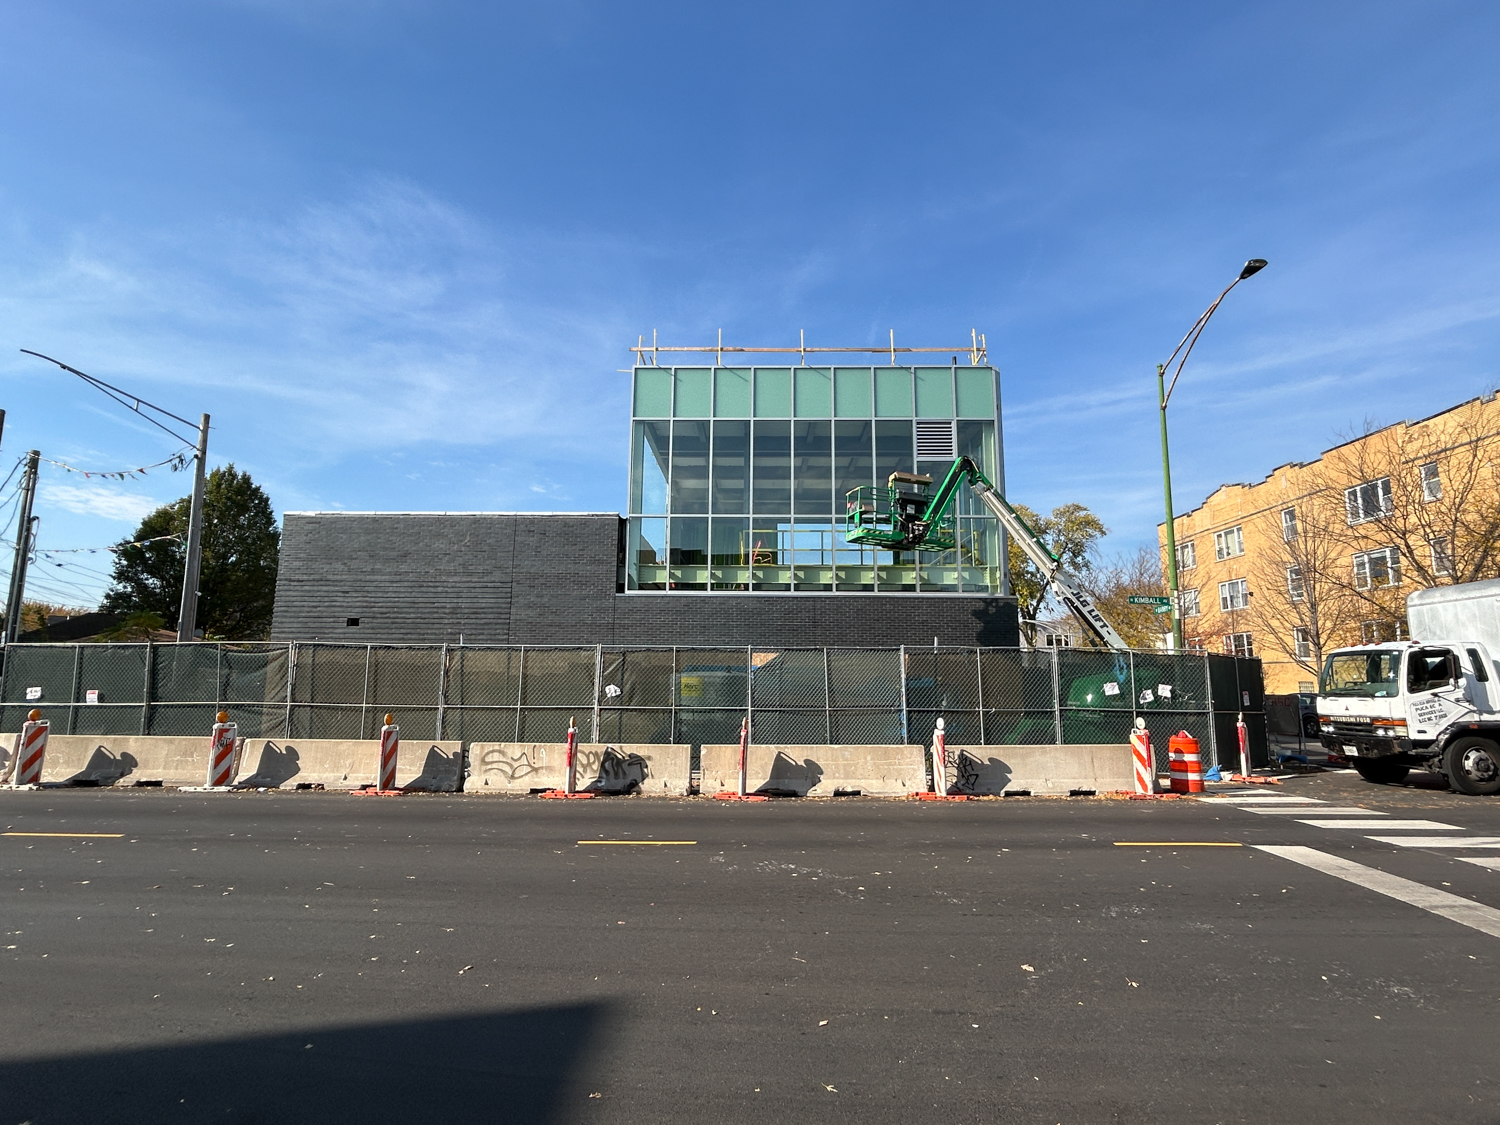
{"x":658,"y":843}
{"x":1174,"y":844}
{"x":70,"y":835}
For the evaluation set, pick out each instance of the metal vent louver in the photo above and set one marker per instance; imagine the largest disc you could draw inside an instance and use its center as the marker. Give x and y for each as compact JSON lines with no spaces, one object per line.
{"x":935,"y":441}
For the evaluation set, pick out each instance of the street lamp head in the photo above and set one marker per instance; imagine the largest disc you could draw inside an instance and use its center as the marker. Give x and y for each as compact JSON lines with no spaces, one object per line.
{"x":1253,"y":266}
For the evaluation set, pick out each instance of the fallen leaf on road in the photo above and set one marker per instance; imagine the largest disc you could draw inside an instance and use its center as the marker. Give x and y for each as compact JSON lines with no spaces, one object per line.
{"x":464,"y":970}
{"x":1028,"y":968}
{"x":822,"y":1023}
{"x":829,"y":1088}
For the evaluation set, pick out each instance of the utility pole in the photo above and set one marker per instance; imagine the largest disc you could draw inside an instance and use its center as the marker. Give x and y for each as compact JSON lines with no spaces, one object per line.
{"x":23,"y":549}
{"x":187,"y":615}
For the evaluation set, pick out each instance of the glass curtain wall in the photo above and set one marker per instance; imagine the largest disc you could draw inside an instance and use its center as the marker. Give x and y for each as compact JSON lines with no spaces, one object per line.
{"x":738,"y":476}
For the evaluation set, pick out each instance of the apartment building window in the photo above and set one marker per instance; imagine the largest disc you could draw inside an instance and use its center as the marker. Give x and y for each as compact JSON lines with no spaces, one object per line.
{"x":1188,"y":599}
{"x":1057,"y":640}
{"x":1288,"y":524}
{"x":1228,"y":543}
{"x":1294,"y":584}
{"x":1302,"y":642}
{"x":1306,"y":685}
{"x":1442,"y":556}
{"x":1187,"y":556}
{"x":1432,"y":484}
{"x":1377,"y":568}
{"x":1368,"y":501}
{"x":1239,"y":644}
{"x":1234,"y":594}
{"x":1194,"y":644}
{"x":1375,"y":632}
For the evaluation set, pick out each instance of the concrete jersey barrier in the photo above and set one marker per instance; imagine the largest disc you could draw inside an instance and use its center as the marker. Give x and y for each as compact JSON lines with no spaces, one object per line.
{"x":1042,"y":770}
{"x":519,"y":767}
{"x":105,"y":759}
{"x":422,"y":765}
{"x":817,"y":771}
{"x":268,"y":763}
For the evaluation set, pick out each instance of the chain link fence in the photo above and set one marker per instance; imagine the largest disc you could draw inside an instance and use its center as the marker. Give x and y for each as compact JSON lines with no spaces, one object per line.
{"x":796,"y":696}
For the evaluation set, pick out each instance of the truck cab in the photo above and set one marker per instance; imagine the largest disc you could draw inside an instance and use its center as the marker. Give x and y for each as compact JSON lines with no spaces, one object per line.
{"x":1429,"y":704}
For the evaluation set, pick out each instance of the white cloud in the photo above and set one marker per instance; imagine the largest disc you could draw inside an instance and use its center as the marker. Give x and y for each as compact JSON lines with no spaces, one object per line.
{"x":95,"y":499}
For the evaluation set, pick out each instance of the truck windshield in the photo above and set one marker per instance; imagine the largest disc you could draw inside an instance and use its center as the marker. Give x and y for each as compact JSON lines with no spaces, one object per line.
{"x":1362,"y":673}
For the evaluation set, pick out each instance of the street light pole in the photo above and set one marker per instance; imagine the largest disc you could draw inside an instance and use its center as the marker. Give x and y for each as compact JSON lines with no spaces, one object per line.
{"x":1163,"y":394}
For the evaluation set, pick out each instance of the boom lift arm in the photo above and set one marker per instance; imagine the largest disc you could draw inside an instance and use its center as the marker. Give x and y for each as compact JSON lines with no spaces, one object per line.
{"x":907,"y":518}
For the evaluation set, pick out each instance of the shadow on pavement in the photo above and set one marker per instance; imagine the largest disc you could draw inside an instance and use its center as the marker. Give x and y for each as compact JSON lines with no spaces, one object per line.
{"x":513,"y":1067}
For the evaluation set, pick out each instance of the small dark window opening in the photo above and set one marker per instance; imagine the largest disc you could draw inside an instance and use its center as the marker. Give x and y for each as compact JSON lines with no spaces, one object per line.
{"x":351,"y":621}
{"x":1480,"y":672}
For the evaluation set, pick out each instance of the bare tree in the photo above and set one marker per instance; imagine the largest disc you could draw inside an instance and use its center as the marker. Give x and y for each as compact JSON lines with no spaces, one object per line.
{"x":1112,"y":582}
{"x":1301,"y":601}
{"x":1421,"y":506}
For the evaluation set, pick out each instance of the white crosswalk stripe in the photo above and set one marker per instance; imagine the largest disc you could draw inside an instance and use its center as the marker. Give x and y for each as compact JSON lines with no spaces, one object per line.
{"x":1438,"y":841}
{"x":1388,"y":825}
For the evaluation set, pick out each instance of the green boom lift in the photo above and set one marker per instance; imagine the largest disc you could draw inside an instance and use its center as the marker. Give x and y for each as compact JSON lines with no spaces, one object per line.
{"x":907,"y":516}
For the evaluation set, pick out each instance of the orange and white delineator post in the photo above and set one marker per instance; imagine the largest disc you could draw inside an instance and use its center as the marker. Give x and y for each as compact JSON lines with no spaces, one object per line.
{"x":742,"y":793}
{"x":570,"y":768}
{"x":31,"y":749}
{"x":1140,"y":751}
{"x":221,"y":752}
{"x":1244,"y":734}
{"x":939,"y":758}
{"x":390,"y":746}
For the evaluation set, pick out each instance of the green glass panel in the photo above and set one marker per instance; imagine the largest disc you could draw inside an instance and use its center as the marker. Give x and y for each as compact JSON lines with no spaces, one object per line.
{"x":893,"y":392}
{"x":653,"y":392}
{"x":934,"y":392}
{"x":773,"y":392}
{"x":732,"y":392}
{"x":976,"y":392}
{"x":694,"y":393}
{"x":851,"y":392}
{"x":814,"y":392}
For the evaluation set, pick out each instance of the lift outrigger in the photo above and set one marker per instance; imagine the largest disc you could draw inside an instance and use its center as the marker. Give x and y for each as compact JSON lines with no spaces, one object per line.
{"x":907,"y":516}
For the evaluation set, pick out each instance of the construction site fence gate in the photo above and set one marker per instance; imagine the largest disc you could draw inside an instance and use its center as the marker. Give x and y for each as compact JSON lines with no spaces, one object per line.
{"x":488,"y":693}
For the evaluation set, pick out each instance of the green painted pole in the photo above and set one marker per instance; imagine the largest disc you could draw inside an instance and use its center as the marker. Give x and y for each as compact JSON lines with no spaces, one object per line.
{"x":1166,"y":480}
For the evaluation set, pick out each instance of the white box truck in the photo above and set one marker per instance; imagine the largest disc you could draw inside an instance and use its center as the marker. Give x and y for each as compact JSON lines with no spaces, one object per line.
{"x":1432,"y":702}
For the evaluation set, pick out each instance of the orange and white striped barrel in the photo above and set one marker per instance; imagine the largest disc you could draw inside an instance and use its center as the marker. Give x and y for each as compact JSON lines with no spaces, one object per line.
{"x":221,"y":752}
{"x":1145,"y":768}
{"x":939,"y":759}
{"x":1244,"y":734}
{"x":1186,"y":765}
{"x":390,"y":745}
{"x":31,"y":749}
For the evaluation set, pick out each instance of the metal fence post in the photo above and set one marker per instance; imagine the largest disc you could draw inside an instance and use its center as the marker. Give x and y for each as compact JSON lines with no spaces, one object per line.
{"x":364,"y":692}
{"x":520,"y":688}
{"x":442,"y":690}
{"x":291,"y":678}
{"x":145,"y":686}
{"x":1208,"y":691}
{"x":73,"y":695}
{"x":905,"y":731}
{"x":979,"y":693}
{"x":1134,"y":691}
{"x":827,"y":703}
{"x":749,"y":687}
{"x":1057,"y":723}
{"x":598,"y":687}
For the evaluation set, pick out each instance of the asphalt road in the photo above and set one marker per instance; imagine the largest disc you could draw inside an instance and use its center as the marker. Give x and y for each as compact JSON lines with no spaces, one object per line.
{"x":313,"y":957}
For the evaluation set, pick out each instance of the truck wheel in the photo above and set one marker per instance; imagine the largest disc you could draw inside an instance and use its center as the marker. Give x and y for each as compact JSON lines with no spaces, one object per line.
{"x":1310,"y":727}
{"x":1473,"y":766}
{"x":1382,"y":771}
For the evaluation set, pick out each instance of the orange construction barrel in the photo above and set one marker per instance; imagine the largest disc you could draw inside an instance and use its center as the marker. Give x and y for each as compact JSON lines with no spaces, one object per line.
{"x":1186,"y":768}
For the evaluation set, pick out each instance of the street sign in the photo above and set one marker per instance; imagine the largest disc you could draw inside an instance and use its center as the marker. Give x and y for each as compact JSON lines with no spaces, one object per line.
{"x":1162,"y":609}
{"x":1148,"y":599}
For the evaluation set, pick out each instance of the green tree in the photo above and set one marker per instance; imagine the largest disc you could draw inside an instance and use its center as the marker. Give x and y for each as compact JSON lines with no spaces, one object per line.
{"x":237,"y":578}
{"x":1071,"y":532}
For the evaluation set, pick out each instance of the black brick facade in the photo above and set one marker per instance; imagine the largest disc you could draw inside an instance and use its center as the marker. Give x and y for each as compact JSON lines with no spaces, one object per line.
{"x":524,"y":578}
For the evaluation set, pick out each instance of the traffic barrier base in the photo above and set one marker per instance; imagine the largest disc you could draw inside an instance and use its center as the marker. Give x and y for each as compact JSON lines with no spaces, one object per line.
{"x":564,"y":795}
{"x":731,"y":795}
{"x":937,"y":797}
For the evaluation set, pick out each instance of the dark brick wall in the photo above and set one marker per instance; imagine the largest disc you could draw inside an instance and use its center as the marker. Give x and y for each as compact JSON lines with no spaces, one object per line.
{"x":517,"y":578}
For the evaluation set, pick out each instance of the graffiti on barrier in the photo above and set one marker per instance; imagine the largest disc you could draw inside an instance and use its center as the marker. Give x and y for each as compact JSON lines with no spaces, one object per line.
{"x":512,"y":765}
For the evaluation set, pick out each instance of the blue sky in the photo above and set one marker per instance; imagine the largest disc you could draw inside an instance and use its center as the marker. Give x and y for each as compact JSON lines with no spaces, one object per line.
{"x":398,"y":250}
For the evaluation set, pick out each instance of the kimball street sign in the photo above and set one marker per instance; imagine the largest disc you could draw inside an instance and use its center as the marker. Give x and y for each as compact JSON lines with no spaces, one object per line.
{"x":1148,"y":599}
